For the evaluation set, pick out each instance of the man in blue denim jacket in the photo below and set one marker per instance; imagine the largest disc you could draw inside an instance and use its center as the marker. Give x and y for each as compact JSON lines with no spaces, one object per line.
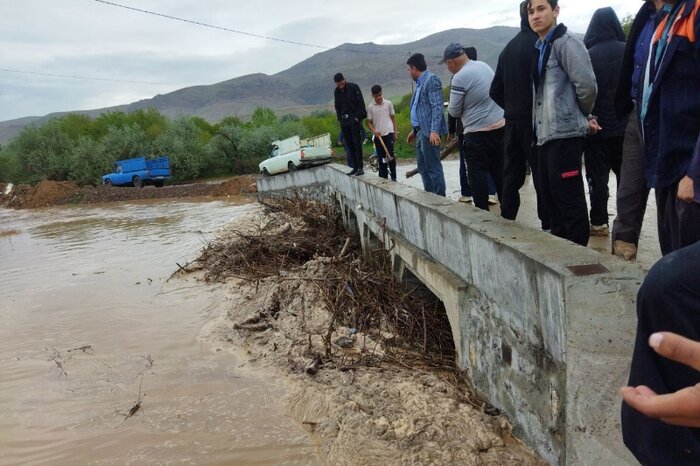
{"x":565,"y":91}
{"x":428,"y":122}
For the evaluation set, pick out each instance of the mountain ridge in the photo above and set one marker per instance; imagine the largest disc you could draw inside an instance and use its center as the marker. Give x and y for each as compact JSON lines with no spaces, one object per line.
{"x":308,"y":85}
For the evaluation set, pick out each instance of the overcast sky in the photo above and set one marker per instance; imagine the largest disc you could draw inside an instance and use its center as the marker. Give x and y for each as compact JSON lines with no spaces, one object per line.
{"x":90,"y":39}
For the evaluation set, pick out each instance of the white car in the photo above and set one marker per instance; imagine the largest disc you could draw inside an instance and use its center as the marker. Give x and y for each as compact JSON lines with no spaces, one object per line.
{"x":293,"y":153}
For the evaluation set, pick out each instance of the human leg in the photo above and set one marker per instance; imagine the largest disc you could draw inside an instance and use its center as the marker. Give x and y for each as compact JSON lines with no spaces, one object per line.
{"x":433,"y":166}
{"x":381,"y":159}
{"x":513,"y":172}
{"x":477,"y":151}
{"x":566,"y":188}
{"x":598,"y":174}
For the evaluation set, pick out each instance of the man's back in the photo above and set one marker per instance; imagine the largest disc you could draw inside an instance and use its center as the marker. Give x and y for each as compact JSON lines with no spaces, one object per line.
{"x":469,"y":97}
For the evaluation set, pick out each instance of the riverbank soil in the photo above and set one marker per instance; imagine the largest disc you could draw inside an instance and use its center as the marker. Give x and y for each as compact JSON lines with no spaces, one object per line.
{"x":49,"y":193}
{"x":372,"y":359}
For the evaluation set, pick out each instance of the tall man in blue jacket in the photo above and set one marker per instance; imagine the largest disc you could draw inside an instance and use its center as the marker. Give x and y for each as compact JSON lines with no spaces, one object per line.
{"x":565,"y":91}
{"x":428,"y":123}
{"x":670,"y":116}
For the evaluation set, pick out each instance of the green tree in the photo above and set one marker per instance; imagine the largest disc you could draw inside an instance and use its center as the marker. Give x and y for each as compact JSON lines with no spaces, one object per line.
{"x":43,"y":152}
{"x":627,"y":24}
{"x":89,"y":161}
{"x":263,"y":116}
{"x":182,"y":142}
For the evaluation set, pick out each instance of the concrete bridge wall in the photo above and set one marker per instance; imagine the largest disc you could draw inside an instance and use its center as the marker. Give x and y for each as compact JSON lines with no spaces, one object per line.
{"x":542,"y":327}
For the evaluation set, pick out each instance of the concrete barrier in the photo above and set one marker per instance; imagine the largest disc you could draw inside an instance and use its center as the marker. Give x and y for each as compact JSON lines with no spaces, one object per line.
{"x":542,"y":327}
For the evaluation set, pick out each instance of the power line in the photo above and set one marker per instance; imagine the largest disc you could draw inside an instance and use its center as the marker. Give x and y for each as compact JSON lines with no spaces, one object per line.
{"x":89,"y":78}
{"x":198,"y":23}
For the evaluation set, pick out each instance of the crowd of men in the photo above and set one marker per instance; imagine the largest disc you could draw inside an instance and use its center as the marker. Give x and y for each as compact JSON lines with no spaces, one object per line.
{"x":630,"y":105}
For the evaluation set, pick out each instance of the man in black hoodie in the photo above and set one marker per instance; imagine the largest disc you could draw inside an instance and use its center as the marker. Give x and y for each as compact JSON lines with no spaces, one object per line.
{"x":350,"y":110}
{"x":605,"y":42}
{"x":511,"y":89}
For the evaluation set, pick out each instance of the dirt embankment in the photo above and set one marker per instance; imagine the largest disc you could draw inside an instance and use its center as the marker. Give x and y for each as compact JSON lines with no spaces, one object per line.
{"x":49,"y":193}
{"x":371,"y":360}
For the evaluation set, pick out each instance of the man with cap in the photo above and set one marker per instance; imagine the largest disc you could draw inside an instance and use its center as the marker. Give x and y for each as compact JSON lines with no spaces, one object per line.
{"x":482,"y":121}
{"x":350,"y":110}
{"x":428,"y":123}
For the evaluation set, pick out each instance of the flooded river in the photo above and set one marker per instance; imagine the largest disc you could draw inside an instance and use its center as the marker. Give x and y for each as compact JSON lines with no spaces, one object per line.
{"x":90,"y":327}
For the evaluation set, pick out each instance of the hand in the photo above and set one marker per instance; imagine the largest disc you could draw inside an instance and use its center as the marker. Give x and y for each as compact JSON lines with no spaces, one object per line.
{"x":686,"y":192}
{"x":377,"y":134}
{"x":593,"y":126}
{"x":396,"y":136}
{"x":411,"y":137}
{"x":681,"y":408}
{"x":450,"y":138}
{"x":434,"y":138}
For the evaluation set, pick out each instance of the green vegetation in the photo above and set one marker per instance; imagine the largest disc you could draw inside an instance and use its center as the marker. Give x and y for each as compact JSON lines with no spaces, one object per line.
{"x":81,"y":149}
{"x":627,"y":24}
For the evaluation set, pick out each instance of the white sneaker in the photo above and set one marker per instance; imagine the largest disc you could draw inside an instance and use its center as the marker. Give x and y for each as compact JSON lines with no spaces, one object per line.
{"x":466,"y":199}
{"x":493,"y":200}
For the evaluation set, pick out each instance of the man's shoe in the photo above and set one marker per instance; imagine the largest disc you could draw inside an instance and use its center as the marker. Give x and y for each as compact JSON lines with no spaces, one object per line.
{"x":625,"y":250}
{"x":493,"y":200}
{"x":359,"y":172}
{"x":354,"y":170}
{"x":600,"y":230}
{"x":465,"y":199}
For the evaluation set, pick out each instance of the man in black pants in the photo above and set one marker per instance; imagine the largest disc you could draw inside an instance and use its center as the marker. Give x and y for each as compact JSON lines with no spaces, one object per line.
{"x":511,"y":89}
{"x":350,"y":110}
{"x":605,"y":41}
{"x":562,"y":118}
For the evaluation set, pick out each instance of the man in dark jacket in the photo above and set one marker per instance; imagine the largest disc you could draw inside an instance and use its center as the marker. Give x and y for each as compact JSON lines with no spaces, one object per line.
{"x":605,"y":42}
{"x":670,"y":116}
{"x":511,"y":89}
{"x":632,"y":191}
{"x":350,"y":110}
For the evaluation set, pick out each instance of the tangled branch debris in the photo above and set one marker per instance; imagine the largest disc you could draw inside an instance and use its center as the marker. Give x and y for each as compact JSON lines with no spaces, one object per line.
{"x":358,"y":291}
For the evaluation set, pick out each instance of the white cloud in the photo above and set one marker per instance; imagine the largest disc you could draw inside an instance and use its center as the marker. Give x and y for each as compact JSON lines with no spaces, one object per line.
{"x":79,"y":37}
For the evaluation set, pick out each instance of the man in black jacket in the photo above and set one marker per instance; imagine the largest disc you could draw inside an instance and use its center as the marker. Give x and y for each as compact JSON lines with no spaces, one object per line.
{"x":350,"y":110}
{"x":605,"y":42}
{"x":512,"y":90}
{"x":632,"y":191}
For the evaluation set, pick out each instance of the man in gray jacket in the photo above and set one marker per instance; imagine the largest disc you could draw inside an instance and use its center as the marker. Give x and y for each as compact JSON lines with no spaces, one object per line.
{"x":564,"y":93}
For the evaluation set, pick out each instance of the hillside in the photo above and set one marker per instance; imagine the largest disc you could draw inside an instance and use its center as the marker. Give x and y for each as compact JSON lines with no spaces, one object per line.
{"x":308,"y":85}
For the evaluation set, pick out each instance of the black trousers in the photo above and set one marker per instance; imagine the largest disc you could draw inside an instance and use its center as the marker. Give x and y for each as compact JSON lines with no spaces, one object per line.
{"x":669,"y":300}
{"x":353,"y":139}
{"x":484,"y":153}
{"x":518,"y":152}
{"x":386,"y":166}
{"x":562,"y":189}
{"x":601,"y":156}
{"x":678,"y":222}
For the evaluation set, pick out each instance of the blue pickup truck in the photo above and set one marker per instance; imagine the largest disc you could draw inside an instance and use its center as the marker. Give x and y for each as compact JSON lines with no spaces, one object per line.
{"x":138,"y":172}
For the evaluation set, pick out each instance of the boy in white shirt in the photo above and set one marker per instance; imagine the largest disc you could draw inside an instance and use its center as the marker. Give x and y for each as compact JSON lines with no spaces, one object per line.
{"x":381,"y":121}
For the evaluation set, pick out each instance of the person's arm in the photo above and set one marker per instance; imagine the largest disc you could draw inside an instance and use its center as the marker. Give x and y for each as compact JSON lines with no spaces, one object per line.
{"x":681,"y":408}
{"x":434,"y":92}
{"x":497,"y":87}
{"x":689,"y":186}
{"x":370,"y":126}
{"x":361,"y":110}
{"x":337,"y":104}
{"x":576,"y":62}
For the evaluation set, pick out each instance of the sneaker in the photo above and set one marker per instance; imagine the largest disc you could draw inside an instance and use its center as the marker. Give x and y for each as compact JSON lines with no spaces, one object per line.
{"x":600,"y":230}
{"x":625,"y":250}
{"x":493,"y":200}
{"x":359,"y":172}
{"x":465,"y":199}
{"x":354,"y":171}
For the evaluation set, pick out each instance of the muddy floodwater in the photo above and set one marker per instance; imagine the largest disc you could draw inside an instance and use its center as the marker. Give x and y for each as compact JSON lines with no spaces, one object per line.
{"x":91,"y":330}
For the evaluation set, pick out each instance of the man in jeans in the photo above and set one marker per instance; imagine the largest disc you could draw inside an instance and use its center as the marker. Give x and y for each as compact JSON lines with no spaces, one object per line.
{"x":428,"y":122}
{"x":350,"y":110}
{"x":482,"y":121}
{"x":381,"y":120}
{"x":565,"y":91}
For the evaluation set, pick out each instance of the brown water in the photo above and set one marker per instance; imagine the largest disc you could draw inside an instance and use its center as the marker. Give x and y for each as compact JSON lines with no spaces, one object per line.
{"x":79,"y":276}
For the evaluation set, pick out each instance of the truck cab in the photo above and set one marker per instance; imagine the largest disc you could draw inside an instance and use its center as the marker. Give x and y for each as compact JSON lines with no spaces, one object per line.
{"x":138,"y":172}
